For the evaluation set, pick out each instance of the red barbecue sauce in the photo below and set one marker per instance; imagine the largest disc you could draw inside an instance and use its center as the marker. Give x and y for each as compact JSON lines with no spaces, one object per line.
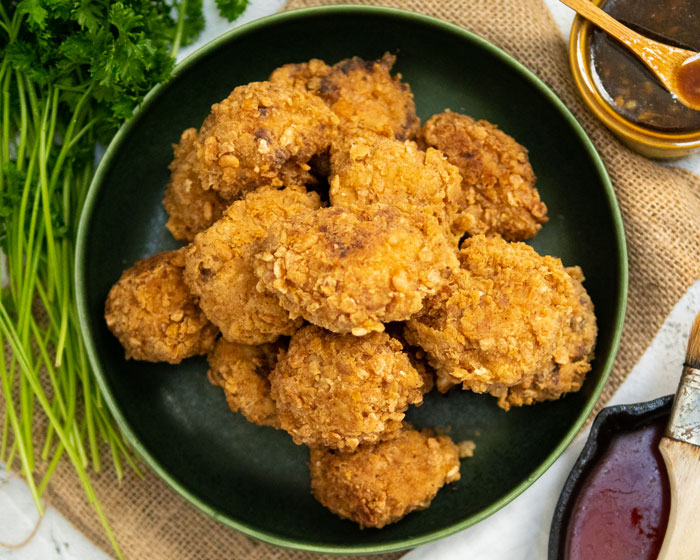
{"x":621,"y":511}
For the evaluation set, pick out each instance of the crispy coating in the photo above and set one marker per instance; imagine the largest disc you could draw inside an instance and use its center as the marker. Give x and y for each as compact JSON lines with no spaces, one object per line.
{"x":567,"y":373}
{"x":380,"y":484}
{"x":190,"y":208}
{"x":507,"y":315}
{"x":306,"y":76}
{"x":154,"y":315}
{"x":219,"y":266}
{"x":362,"y":93}
{"x":352,"y":271}
{"x":262,"y":134}
{"x":417,"y":356}
{"x":339,"y":390}
{"x":419,"y":361}
{"x":242,"y":372}
{"x":370,"y":168}
{"x":497,"y":179}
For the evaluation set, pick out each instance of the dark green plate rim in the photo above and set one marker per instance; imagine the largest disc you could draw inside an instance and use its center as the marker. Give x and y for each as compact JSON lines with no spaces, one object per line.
{"x":152,"y":97}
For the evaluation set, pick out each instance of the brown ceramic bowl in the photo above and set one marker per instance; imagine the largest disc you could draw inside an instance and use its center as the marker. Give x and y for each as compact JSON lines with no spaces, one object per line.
{"x":646,"y":141}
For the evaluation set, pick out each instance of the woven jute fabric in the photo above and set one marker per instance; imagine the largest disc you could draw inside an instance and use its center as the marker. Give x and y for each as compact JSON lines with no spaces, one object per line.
{"x":661,"y":212}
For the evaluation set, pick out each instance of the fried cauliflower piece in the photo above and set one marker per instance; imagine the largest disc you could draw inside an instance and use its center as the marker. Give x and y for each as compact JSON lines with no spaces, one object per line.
{"x":362,"y":93}
{"x":352,"y":271}
{"x":154,"y":315}
{"x":190,"y":208}
{"x":377,"y":485}
{"x":419,"y":361}
{"x":306,"y":76}
{"x":262,"y":134}
{"x":497,"y":179}
{"x":242,"y":372}
{"x":507,"y":317}
{"x":219,"y":266}
{"x":417,"y":356}
{"x":370,"y":168}
{"x":566,"y":374}
{"x":339,"y":390}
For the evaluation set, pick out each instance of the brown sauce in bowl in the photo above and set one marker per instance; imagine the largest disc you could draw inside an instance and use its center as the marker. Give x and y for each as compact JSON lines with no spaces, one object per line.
{"x":623,"y":80}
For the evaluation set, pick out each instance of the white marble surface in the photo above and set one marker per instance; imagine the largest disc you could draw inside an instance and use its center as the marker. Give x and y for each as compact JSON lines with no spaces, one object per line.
{"x":656,"y":374}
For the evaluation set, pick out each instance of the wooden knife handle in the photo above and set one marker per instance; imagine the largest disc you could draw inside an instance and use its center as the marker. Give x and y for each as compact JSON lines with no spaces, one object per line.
{"x":682,"y":540}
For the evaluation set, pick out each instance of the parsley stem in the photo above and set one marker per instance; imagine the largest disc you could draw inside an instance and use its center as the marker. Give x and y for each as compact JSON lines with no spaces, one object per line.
{"x":58,"y":453}
{"x":181,"y":16}
{"x":75,"y":458}
{"x":23,"y":127}
{"x":6,"y":418}
{"x":5,"y":149}
{"x":7,"y":332}
{"x":46,"y":206}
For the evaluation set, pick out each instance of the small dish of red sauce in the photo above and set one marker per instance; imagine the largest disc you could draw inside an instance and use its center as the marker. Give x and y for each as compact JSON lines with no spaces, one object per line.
{"x":615,"y":504}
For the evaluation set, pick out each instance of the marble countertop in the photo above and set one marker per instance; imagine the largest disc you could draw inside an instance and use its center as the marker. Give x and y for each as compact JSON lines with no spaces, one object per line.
{"x":56,"y":539}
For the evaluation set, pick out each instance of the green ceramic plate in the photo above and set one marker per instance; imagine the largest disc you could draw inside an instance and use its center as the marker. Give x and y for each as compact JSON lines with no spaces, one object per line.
{"x":255,"y":479}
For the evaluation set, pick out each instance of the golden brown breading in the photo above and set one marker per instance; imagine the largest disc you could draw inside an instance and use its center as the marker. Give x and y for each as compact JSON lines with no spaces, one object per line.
{"x":419,"y":361}
{"x":370,"y":168}
{"x":339,"y":390}
{"x":154,"y":315}
{"x":416,"y":355}
{"x":566,"y":373}
{"x":352,"y":271}
{"x":262,"y":134}
{"x":507,"y":315}
{"x":190,"y":208}
{"x":242,"y":371}
{"x":219,"y":266}
{"x":306,"y":76}
{"x":497,"y":180}
{"x":362,"y":93}
{"x":380,"y":484}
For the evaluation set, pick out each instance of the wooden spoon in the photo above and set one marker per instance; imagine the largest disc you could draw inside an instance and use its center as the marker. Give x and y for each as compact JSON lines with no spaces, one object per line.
{"x":677,"y":69}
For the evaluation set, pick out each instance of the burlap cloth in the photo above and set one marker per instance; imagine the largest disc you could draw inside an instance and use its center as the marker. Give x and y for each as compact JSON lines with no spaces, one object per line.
{"x":661,"y":211}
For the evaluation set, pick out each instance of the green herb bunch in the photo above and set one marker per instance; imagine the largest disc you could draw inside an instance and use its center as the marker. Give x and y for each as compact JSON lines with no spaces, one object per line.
{"x":71,"y":72}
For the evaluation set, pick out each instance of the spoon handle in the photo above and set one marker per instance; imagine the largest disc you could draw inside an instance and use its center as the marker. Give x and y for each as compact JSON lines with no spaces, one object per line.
{"x":594,"y":14}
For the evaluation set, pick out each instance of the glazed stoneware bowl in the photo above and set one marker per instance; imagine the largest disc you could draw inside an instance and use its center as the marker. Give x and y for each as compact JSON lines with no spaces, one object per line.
{"x":646,"y":141}
{"x":255,"y":479}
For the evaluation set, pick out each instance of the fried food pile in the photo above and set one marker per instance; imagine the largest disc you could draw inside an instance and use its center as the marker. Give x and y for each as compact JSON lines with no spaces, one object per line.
{"x":341,"y":262}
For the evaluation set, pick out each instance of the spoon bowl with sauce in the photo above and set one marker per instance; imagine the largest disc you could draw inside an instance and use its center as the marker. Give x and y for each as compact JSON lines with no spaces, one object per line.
{"x":688,"y":82}
{"x":677,"y":69}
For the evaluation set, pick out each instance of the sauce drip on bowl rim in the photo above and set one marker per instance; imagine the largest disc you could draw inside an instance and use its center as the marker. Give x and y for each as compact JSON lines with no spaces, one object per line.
{"x":621,"y":509}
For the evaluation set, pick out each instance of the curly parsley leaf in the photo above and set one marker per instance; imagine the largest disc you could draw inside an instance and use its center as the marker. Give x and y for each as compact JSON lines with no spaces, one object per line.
{"x":35,"y":11}
{"x":231,"y":9}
